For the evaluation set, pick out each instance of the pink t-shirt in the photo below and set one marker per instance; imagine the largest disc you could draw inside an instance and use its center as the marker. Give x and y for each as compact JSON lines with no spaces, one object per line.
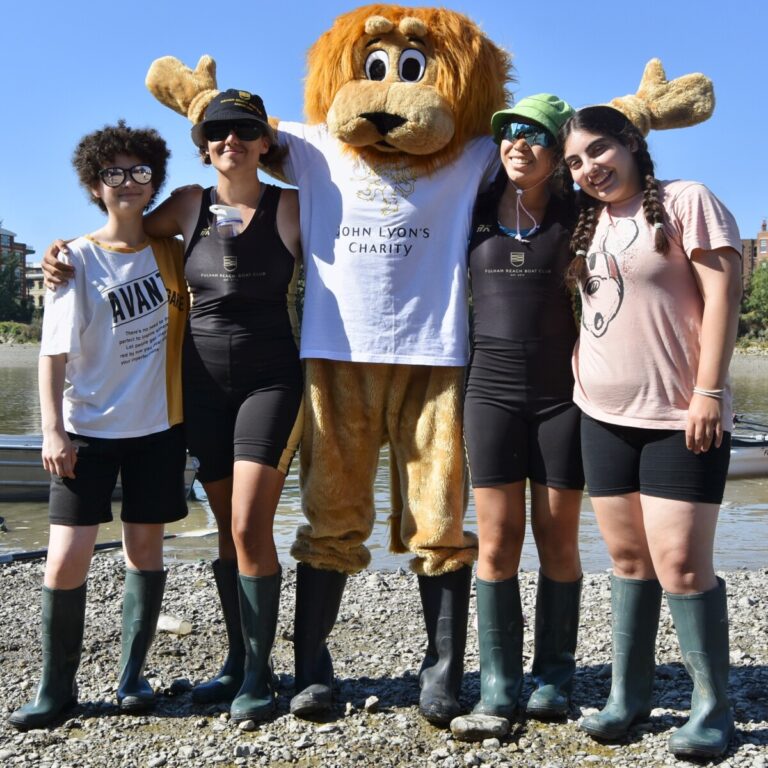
{"x":638,"y":354}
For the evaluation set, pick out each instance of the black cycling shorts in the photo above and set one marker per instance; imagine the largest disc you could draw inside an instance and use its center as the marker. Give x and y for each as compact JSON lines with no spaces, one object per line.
{"x":520,"y":422}
{"x":620,"y":460}
{"x":236,"y":409}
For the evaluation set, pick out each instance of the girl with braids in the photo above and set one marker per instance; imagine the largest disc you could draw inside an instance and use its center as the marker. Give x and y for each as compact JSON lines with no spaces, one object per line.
{"x":521,"y":425}
{"x":658,"y":267}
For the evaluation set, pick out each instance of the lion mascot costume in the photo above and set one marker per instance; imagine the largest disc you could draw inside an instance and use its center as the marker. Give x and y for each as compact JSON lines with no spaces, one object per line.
{"x":398,"y":103}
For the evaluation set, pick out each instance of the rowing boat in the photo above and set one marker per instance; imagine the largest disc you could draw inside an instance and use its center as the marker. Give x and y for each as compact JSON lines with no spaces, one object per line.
{"x":23,"y":478}
{"x":749,"y":455}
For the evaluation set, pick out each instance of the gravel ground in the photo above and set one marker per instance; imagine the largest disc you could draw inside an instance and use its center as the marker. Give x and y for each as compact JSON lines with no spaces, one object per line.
{"x":377,"y":647}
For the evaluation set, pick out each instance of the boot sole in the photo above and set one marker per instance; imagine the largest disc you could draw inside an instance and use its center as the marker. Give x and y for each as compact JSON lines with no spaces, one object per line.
{"x":24,"y":724}
{"x":614,"y":735}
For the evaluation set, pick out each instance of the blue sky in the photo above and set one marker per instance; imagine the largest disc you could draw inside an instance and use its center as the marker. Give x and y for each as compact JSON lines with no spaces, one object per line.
{"x":68,"y":68}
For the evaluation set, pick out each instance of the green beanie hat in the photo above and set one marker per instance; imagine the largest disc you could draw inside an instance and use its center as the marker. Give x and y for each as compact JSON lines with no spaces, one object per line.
{"x":545,"y":109}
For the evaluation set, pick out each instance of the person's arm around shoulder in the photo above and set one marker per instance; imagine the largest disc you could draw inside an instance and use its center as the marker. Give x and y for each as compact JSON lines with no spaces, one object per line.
{"x":288,"y":221}
{"x":718,"y":274}
{"x":59,"y":455}
{"x":55,"y":271}
{"x":176,"y":215}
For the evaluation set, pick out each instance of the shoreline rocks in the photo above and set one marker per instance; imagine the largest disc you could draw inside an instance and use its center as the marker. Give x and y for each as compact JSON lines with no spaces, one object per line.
{"x":377,"y":647}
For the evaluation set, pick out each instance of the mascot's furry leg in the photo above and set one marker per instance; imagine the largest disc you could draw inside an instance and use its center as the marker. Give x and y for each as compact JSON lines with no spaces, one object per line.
{"x":354,"y":408}
{"x":339,"y":457}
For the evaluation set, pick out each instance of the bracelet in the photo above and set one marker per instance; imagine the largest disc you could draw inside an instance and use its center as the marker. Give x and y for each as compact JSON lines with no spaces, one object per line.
{"x":717,"y":394}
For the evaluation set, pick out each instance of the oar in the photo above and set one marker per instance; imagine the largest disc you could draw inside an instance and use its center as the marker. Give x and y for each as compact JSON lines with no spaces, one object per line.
{"x":35,"y":554}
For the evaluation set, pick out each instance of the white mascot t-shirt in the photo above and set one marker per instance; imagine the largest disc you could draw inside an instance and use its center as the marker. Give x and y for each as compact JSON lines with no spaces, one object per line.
{"x":385,"y":252}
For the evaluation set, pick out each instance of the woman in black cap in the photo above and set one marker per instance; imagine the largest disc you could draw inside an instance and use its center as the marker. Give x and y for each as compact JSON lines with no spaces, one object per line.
{"x":242,"y":377}
{"x":520,"y":423}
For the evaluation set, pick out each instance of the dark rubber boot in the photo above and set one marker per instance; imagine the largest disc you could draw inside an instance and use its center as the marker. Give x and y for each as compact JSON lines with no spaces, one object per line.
{"x":635,"y":607}
{"x":225,"y":685}
{"x":141,"y":609}
{"x":554,"y":661}
{"x":500,"y":637}
{"x":701,"y":621}
{"x":63,"y":614}
{"x":445,"y":602}
{"x":259,"y":605}
{"x":318,"y":597}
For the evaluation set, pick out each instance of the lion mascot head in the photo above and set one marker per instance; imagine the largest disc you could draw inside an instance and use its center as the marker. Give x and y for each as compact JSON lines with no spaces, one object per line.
{"x":392,"y":83}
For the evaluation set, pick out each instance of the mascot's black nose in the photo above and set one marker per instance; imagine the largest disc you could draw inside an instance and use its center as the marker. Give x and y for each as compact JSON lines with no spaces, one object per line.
{"x":384,"y":121}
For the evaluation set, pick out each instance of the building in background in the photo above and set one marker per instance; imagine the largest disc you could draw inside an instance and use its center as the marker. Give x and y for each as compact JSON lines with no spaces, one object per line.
{"x":10,"y":248}
{"x":35,"y":288}
{"x":754,"y":252}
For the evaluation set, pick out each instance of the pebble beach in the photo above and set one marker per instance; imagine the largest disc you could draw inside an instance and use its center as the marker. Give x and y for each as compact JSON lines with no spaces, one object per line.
{"x":377,"y":647}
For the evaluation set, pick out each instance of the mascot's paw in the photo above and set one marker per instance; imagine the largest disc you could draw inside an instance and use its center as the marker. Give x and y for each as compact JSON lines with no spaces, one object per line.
{"x":660,"y":103}
{"x":184,"y":90}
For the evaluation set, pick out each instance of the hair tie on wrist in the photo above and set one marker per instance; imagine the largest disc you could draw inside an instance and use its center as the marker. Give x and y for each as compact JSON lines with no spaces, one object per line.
{"x":716,"y":394}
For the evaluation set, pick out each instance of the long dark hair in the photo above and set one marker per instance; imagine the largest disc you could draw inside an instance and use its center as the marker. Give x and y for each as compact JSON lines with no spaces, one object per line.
{"x":607,"y":121}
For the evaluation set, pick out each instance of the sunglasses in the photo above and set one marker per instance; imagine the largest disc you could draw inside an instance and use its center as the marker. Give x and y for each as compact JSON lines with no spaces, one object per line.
{"x":114,"y":177}
{"x":247,"y":130}
{"x":529,"y":133}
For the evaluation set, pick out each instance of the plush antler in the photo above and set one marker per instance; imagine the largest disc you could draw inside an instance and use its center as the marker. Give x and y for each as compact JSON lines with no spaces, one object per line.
{"x":185,"y":91}
{"x":660,"y":103}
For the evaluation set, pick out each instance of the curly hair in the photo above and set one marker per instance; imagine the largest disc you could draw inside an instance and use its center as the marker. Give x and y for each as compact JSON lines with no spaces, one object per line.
{"x":97,"y":150}
{"x":607,"y":121}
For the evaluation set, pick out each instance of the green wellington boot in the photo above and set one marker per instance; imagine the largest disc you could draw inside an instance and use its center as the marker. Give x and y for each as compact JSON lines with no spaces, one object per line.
{"x":259,"y":604}
{"x":225,"y":685}
{"x":701,"y":621}
{"x":318,"y":597}
{"x":141,"y":608}
{"x":635,"y":607}
{"x":500,"y":638}
{"x":554,"y":661}
{"x":63,"y":622}
{"x":445,"y":602}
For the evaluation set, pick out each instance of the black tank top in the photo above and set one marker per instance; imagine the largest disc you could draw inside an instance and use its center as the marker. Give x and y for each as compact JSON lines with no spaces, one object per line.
{"x":518,"y":288}
{"x":240,"y":284}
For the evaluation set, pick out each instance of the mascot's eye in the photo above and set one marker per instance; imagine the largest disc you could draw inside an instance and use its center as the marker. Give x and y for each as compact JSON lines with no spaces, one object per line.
{"x":377,"y":65}
{"x":412,"y":65}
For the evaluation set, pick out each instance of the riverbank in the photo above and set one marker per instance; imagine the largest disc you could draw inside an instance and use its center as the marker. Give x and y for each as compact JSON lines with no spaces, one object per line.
{"x":377,"y":647}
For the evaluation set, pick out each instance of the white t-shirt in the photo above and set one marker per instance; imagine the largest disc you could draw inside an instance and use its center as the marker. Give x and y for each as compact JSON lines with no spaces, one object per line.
{"x":385,"y":252}
{"x":120,"y":322}
{"x":637,"y":356}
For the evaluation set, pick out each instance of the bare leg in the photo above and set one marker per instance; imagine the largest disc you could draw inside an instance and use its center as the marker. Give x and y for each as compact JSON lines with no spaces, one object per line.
{"x":143,"y":545}
{"x":681,"y":538}
{"x":70,"y":549}
{"x":555,"y":522}
{"x":256,"y":493}
{"x":501,"y":530}
{"x":219,"y":493}
{"x":620,"y":519}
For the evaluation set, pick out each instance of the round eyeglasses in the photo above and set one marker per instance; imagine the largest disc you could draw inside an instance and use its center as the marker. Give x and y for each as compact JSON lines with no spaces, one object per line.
{"x":114,"y":177}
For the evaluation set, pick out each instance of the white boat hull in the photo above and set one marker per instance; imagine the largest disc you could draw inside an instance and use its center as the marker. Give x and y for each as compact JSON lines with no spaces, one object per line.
{"x":749,"y":456}
{"x":22,"y":477}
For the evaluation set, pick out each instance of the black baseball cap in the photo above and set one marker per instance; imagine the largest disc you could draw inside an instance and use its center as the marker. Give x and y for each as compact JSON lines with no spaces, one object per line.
{"x":233,"y":105}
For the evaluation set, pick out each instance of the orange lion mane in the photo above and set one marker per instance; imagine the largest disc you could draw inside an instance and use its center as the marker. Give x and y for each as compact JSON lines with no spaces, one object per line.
{"x":472,"y":74}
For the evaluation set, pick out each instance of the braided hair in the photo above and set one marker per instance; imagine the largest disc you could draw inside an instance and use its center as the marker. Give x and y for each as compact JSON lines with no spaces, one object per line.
{"x":607,"y":121}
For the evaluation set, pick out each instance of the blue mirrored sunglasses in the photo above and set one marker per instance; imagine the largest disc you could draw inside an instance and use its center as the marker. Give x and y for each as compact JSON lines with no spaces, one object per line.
{"x":532,"y":134}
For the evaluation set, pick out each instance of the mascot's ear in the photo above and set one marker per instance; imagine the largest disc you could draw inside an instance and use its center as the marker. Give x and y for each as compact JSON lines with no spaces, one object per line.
{"x":185,"y":91}
{"x":660,"y":103}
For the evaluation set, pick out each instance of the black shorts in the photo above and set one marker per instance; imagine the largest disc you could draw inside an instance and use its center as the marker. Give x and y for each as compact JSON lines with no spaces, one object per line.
{"x":521,"y":424}
{"x":237,"y":408}
{"x":151,"y":471}
{"x":620,"y":460}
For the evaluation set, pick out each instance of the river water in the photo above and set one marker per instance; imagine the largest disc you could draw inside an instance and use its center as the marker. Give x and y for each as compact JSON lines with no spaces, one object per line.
{"x":741,"y":538}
